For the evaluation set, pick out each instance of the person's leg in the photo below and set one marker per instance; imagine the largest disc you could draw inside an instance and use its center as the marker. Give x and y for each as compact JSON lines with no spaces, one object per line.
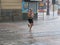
{"x":28,"y":25}
{"x":31,"y":24}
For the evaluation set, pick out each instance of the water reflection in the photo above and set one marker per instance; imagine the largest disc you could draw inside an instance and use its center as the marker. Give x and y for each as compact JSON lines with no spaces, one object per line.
{"x":31,"y":35}
{"x":31,"y":38}
{"x":34,"y":41}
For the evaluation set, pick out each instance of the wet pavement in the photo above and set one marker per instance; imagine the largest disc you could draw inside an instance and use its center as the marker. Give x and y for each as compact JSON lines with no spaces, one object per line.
{"x":45,"y":32}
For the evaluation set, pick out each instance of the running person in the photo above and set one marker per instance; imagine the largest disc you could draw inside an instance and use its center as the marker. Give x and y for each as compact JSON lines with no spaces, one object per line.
{"x":30,"y":18}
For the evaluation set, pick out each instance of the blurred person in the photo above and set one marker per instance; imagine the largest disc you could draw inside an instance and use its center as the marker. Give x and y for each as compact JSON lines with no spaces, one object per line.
{"x":30,"y":18}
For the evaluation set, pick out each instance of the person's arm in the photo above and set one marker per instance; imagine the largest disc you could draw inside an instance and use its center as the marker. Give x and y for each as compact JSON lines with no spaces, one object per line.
{"x":29,"y":14}
{"x":32,"y":14}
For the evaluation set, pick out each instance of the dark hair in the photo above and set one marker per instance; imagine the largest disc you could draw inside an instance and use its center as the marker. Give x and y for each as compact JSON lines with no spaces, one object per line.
{"x":30,"y":9}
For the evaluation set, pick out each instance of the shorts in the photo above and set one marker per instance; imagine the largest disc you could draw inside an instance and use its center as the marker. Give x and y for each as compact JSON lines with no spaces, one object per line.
{"x":30,"y":20}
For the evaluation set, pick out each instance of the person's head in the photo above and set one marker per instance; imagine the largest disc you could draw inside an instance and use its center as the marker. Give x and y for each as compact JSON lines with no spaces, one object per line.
{"x":30,"y":10}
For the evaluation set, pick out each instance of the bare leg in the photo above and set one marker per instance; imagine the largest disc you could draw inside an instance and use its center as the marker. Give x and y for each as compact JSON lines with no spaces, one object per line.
{"x":31,"y":26}
{"x":28,"y":25}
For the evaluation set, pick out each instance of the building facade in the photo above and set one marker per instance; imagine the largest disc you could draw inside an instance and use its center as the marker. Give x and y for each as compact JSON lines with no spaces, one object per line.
{"x":16,"y":10}
{"x":10,"y":10}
